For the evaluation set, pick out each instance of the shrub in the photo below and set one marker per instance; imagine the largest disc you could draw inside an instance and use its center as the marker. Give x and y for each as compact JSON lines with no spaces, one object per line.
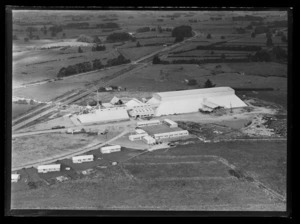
{"x":182,"y":31}
{"x":117,"y":37}
{"x":85,"y":39}
{"x":208,"y":36}
{"x":79,"y":50}
{"x":209,"y":84}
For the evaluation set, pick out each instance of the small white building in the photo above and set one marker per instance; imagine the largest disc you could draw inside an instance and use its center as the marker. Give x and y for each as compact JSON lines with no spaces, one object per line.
{"x":173,"y":134}
{"x":133,"y":103}
{"x":149,"y":140}
{"x":148,"y":123}
{"x":170,"y":123}
{"x":137,"y":137}
{"x":15,"y":177}
{"x":141,"y":111}
{"x":140,"y":131}
{"x":114,"y":100}
{"x":48,"y":168}
{"x":109,"y":149}
{"x":108,"y":88}
{"x":84,"y":158}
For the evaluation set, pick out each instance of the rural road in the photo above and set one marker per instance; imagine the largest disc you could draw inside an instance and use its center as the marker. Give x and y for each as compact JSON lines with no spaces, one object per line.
{"x":68,"y":154}
{"x":134,"y":65}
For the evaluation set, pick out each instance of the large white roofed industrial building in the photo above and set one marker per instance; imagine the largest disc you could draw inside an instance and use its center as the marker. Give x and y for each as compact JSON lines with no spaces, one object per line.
{"x":188,"y":101}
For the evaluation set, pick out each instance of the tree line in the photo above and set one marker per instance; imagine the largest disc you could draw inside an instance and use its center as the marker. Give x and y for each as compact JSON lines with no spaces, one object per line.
{"x":91,"y":66}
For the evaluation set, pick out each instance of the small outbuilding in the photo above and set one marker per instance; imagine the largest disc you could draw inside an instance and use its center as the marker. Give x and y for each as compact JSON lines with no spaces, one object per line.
{"x":48,"y":168}
{"x":84,"y":158}
{"x":15,"y":177}
{"x":110,"y":149}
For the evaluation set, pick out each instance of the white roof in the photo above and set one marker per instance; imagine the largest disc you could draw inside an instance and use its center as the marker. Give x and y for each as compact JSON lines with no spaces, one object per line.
{"x":169,"y":121}
{"x":227,"y":101}
{"x":49,"y":166}
{"x":107,"y":105}
{"x":132,"y":103}
{"x":148,"y":122}
{"x":148,"y":137}
{"x":83,"y":157}
{"x":114,"y":100}
{"x":102,"y":115}
{"x":15,"y":176}
{"x":210,"y":104}
{"x":205,"y":91}
{"x":139,"y":131}
{"x":138,"y":135}
{"x":111,"y":147}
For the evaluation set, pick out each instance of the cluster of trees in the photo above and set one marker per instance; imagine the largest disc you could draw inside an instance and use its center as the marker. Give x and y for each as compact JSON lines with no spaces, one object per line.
{"x":85,"y":39}
{"x":257,"y":23}
{"x":240,"y":30}
{"x":75,"y":69}
{"x":278,"y":23}
{"x":110,"y":19}
{"x":98,"y":48}
{"x":118,"y":61}
{"x":249,"y":27}
{"x":117,"y":37}
{"x":108,"y":25}
{"x":193,"y":20}
{"x":55,"y":29}
{"x":229,"y":48}
{"x":208,"y":36}
{"x":143,"y":29}
{"x":180,"y":32}
{"x":261,"y":29}
{"x":160,"y":20}
{"x":215,"y":18}
{"x":247,"y":18}
{"x":90,"y":66}
{"x":76,"y":25}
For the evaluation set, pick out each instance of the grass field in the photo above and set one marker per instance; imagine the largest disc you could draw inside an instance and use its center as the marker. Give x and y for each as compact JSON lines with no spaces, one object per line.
{"x":182,"y":178}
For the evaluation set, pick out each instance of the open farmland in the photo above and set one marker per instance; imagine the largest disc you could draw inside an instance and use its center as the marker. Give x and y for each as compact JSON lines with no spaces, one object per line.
{"x":189,"y":178}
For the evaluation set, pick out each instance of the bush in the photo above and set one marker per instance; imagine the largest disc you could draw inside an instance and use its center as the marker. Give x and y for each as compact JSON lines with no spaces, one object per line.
{"x":209,"y":84}
{"x":117,"y":61}
{"x":117,"y":37}
{"x":178,"y":39}
{"x":143,"y":29}
{"x":222,"y":37}
{"x":85,"y":39}
{"x":26,"y":39}
{"x":79,"y":50}
{"x":156,"y":60}
{"x":208,"y":36}
{"x":192,"y":82}
{"x":182,"y":31}
{"x":97,"y":64}
{"x":98,"y":48}
{"x":269,"y":42}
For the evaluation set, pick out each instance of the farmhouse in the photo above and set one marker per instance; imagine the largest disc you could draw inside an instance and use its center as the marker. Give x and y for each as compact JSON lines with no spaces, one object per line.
{"x":133,"y":103}
{"x":188,"y":101}
{"x":48,"y":168}
{"x":170,"y":123}
{"x":149,"y":140}
{"x":137,"y":136}
{"x":15,"y":177}
{"x":104,"y":115}
{"x":109,"y":149}
{"x":172,"y":134}
{"x":84,"y":158}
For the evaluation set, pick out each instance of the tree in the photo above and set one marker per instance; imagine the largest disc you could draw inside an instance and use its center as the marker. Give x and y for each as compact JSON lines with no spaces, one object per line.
{"x":223,"y":56}
{"x":79,"y":50}
{"x":15,"y":37}
{"x":253,"y":35}
{"x":37,"y":37}
{"x":64,"y":35}
{"x":178,"y":39}
{"x":283,"y":39}
{"x":97,"y":64}
{"x":45,"y":31}
{"x":97,"y":40}
{"x":85,"y":39}
{"x":269,"y":42}
{"x":182,"y":31}
{"x":192,"y":82}
{"x":26,"y":39}
{"x":159,"y":29}
{"x":222,"y":37}
{"x":209,"y":84}
{"x":208,"y":36}
{"x":138,"y":44}
{"x":156,"y":60}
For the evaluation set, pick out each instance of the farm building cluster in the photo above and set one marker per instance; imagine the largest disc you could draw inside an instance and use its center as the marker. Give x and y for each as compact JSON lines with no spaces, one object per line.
{"x":204,"y":100}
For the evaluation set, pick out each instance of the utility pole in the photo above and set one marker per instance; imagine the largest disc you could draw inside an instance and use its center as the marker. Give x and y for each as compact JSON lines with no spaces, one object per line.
{"x":230,"y":108}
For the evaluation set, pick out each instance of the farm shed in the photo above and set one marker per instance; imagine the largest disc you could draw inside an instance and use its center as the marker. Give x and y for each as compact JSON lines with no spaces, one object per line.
{"x":148,"y":123}
{"x":141,"y":111}
{"x":149,"y":140}
{"x":170,"y":123}
{"x":105,"y":115}
{"x":15,"y":177}
{"x":109,"y":149}
{"x":81,"y":159}
{"x":173,"y":134}
{"x":133,"y":103}
{"x":114,"y":100}
{"x":140,"y":131}
{"x":137,"y":136}
{"x":48,"y":168}
{"x":188,"y":101}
